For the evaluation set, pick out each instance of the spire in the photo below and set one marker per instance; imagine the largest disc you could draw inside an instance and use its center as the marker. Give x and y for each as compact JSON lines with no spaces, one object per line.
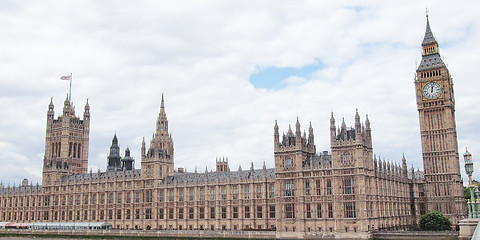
{"x":114,"y":140}
{"x":357,"y":121}
{"x":429,"y":38}
{"x":162,"y":106}
{"x":162,"y":122}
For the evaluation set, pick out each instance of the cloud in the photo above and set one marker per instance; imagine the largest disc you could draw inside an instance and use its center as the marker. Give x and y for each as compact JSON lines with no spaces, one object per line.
{"x":201,"y":55}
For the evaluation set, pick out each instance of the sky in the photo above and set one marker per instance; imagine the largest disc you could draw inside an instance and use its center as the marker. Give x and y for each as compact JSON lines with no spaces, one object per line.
{"x":228,"y":70}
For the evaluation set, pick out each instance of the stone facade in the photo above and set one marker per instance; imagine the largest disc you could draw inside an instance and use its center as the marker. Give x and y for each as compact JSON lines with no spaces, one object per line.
{"x":436,"y":108}
{"x":349,"y":190}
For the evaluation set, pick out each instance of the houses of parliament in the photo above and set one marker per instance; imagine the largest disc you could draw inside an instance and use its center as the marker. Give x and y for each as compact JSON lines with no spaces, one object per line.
{"x":344,"y":190}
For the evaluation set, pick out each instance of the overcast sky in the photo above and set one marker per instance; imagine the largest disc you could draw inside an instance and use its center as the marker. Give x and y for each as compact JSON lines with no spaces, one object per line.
{"x":228,"y":70}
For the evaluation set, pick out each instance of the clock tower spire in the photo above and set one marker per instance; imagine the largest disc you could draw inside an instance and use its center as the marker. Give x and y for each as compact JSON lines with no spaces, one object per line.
{"x":436,"y":108}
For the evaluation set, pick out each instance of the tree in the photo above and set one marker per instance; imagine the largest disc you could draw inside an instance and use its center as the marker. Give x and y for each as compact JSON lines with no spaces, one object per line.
{"x":466,"y":192}
{"x":435,"y":221}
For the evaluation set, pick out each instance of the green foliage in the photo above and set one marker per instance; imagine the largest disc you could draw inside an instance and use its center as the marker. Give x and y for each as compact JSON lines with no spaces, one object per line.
{"x":435,"y":221}
{"x":466,"y":192}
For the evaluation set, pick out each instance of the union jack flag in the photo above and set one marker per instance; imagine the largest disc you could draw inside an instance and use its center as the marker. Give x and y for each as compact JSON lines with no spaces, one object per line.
{"x":66,"y":77}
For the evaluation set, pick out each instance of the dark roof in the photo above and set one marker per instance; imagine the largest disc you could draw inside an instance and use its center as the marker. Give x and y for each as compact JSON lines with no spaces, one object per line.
{"x":179,"y":178}
{"x":431,"y":62}
{"x":429,"y":38}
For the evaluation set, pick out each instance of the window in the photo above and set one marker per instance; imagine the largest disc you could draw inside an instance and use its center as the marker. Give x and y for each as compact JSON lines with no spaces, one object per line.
{"x":212,"y":212}
{"x":289,"y":191}
{"x":346,"y":158}
{"x":202,"y":194}
{"x":201,"y":213}
{"x":160,"y":213}
{"x":149,"y":171}
{"x":110,"y":214}
{"x":288,"y":163}
{"x":350,"y":210}
{"x":330,"y":210}
{"x":246,"y":191}
{"x":162,"y":196}
{"x":128,"y":198}
{"x":170,"y":195}
{"x":137,"y":213}
{"x":271,"y":191}
{"x":319,"y":210}
{"x":329,"y":187}
{"x":259,"y":212}
{"x":319,"y":187}
{"x":170,"y":213}
{"x":224,"y":193}
{"x":307,"y":188}
{"x":272,"y":211}
{"x":224,"y":212}
{"x":235,"y":212}
{"x":180,"y":195}
{"x":191,"y":194}
{"x":180,"y":213}
{"x":94,"y":199}
{"x":212,"y":193}
{"x":190,"y":213}
{"x":348,"y":187}
{"x":119,"y":198}
{"x":127,"y":214}
{"x":119,"y":214}
{"x":259,"y":191}
{"x":289,"y":210}
{"x":247,"y":211}
{"x":309,"y":211}
{"x":102,"y":199}
{"x":235,"y":192}
{"x":137,"y":197}
{"x":148,"y":213}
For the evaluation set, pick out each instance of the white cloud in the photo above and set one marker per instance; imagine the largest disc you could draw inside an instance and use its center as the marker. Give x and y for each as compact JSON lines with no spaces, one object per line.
{"x":123,"y":55}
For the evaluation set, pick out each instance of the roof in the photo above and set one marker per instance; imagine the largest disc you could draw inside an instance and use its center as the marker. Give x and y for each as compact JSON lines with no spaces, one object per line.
{"x":101,"y":175}
{"x":431,"y":62}
{"x":429,"y":38}
{"x":258,"y":174}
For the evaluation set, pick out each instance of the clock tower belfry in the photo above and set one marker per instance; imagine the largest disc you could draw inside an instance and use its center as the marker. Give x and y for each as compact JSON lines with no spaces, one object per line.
{"x":436,"y":108}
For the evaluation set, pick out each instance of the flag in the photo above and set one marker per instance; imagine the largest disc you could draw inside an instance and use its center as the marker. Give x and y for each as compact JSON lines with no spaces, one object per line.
{"x":66,"y":78}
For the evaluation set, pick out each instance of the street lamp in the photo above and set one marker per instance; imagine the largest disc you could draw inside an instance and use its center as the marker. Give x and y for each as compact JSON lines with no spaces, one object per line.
{"x":469,"y":169}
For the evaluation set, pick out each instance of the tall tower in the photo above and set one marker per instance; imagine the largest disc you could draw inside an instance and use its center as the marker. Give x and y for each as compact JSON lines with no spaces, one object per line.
{"x":114,"y":158}
{"x":436,"y":108}
{"x":157,"y":162}
{"x":66,"y":143}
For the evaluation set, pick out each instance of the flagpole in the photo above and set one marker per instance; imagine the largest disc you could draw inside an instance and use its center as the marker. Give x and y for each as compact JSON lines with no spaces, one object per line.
{"x":70,"y":91}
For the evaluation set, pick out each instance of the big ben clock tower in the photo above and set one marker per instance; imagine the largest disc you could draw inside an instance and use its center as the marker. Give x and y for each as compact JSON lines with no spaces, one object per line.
{"x":436,"y":108}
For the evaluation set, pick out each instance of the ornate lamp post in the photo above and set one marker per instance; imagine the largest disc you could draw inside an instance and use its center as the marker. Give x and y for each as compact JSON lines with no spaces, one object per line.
{"x":472,"y":211}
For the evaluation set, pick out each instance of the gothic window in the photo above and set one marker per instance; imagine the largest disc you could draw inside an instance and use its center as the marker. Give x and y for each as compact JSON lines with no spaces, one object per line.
{"x":170,"y":213}
{"x":180,"y":213}
{"x":307,"y":187}
{"x":289,"y":189}
{"x":235,"y":212}
{"x":212,"y":193}
{"x":271,"y":192}
{"x":348,"y":186}
{"x":137,"y":197}
{"x":137,"y":213}
{"x":170,"y":195}
{"x":247,"y":211}
{"x":119,"y":198}
{"x":202,"y":194}
{"x":149,"y":171}
{"x":309,"y":211}
{"x":128,"y":214}
{"x":289,"y":210}
{"x":128,"y":198}
{"x":202,"y":213}
{"x":350,"y":210}
{"x":319,"y":188}
{"x":119,"y":214}
{"x":329,"y":187}
{"x":246,"y":190}
{"x":162,"y":196}
{"x":259,"y":212}
{"x":347,"y":158}
{"x":191,"y":194}
{"x":272,"y":211}
{"x":224,"y":212}
{"x":330,"y":210}
{"x":148,"y":196}
{"x":235,"y":192}
{"x":180,"y":195}
{"x":259,"y":191}
{"x":319,"y":210}
{"x":224,"y":193}
{"x":288,"y":163}
{"x":212,"y":212}
{"x":161,"y":213}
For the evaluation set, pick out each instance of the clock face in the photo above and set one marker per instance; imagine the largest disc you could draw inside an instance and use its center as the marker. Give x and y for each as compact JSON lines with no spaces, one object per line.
{"x":432,"y":90}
